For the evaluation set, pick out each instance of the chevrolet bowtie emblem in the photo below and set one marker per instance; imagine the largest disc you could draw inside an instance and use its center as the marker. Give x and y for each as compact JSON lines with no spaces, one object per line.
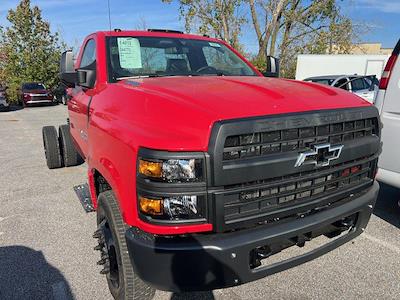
{"x":320,"y":156}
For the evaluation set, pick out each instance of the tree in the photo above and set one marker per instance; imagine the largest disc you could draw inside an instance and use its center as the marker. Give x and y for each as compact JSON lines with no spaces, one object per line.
{"x":290,"y":27}
{"x":33,"y":51}
{"x":270,"y":27}
{"x":282,"y":27}
{"x":219,"y":18}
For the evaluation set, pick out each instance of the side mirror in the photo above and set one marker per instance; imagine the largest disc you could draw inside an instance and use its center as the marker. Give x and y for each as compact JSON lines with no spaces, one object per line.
{"x":68,"y":75}
{"x":272,"y":69}
{"x":87,"y":76}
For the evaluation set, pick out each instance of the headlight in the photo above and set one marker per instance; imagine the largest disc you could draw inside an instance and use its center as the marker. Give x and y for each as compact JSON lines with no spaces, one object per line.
{"x":173,"y":207}
{"x":172,"y":170}
{"x":171,"y":186}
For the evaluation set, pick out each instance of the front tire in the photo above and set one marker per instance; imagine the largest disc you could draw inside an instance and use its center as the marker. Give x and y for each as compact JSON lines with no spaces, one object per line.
{"x":69,"y":154}
{"x":51,"y":147}
{"x":122,"y":281}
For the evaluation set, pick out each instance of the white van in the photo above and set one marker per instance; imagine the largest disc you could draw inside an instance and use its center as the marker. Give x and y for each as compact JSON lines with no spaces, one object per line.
{"x":388,"y":103}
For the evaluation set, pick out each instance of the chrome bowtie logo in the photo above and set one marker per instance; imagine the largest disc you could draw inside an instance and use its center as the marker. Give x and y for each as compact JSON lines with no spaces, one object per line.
{"x":321,"y":156}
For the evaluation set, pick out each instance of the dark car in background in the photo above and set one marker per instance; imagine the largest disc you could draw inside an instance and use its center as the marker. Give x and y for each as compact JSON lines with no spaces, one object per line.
{"x":35,"y":93}
{"x":4,"y":105}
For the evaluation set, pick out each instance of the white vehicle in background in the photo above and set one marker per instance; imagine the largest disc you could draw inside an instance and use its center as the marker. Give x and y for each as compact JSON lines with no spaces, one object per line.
{"x":364,"y":86}
{"x":388,"y":104}
{"x":310,"y":65}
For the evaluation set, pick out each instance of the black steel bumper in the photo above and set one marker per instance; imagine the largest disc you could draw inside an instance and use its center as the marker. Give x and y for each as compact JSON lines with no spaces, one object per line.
{"x":205,"y":262}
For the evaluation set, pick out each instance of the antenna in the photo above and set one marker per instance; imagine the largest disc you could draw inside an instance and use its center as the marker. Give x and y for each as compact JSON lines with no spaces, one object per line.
{"x":109,"y":14}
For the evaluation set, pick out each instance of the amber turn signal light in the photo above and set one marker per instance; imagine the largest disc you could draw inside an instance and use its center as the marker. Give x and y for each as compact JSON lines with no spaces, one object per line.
{"x":150,"y":168}
{"x":151,"y":206}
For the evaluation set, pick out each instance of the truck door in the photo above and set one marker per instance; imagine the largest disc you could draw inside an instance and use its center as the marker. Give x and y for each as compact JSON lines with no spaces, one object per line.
{"x":390,"y":117}
{"x":80,"y":101}
{"x":361,"y":88}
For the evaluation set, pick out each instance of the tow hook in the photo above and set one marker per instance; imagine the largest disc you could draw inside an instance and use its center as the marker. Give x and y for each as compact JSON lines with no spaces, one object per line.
{"x":342,"y":225}
{"x":345,"y":223}
{"x":258,"y":254}
{"x":301,"y":239}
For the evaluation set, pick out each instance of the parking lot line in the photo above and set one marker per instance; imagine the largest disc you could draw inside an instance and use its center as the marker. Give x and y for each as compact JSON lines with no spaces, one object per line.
{"x":381,"y":243}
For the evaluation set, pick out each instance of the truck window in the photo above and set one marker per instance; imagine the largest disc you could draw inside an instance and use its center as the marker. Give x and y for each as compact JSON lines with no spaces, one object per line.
{"x":156,"y":59}
{"x":359,"y":84}
{"x":89,"y":54}
{"x":341,"y":84}
{"x":322,"y":81}
{"x":218,"y":58}
{"x":161,"y":56}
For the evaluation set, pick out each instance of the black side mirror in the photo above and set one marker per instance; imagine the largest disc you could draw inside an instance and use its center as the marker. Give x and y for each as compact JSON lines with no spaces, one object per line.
{"x":272,"y":69}
{"x":87,"y":76}
{"x":68,"y":75}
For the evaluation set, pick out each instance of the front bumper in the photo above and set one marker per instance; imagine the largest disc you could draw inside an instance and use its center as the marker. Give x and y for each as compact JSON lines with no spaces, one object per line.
{"x":39,"y":101}
{"x":211,"y":261}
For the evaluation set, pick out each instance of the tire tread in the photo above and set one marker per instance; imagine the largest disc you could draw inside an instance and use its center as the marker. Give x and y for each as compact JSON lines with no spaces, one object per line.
{"x":135,"y":288}
{"x":52,"y":148}
{"x":69,"y":154}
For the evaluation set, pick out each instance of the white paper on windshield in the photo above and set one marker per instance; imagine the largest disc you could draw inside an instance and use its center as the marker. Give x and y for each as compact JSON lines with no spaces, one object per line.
{"x":129,"y":53}
{"x":216,"y":45}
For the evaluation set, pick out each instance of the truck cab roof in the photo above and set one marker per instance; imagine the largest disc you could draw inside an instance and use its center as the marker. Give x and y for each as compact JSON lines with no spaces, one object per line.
{"x":153,"y":33}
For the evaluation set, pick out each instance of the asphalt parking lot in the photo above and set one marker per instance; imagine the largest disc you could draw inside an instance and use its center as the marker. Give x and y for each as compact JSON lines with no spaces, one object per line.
{"x":46,"y":244}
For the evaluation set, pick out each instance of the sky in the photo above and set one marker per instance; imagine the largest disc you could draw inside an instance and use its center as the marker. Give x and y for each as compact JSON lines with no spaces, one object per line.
{"x":75,"y":19}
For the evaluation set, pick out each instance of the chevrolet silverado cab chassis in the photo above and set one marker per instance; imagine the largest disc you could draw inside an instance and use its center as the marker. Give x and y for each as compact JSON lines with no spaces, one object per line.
{"x":201,"y":169}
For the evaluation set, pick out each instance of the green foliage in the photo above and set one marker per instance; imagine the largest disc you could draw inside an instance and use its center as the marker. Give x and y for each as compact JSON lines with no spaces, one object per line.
{"x":284,"y":28}
{"x":218,"y":18}
{"x":30,"y":50}
{"x":259,"y":63}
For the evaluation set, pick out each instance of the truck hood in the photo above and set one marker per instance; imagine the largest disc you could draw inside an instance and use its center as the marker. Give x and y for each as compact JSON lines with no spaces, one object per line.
{"x":236,"y":97}
{"x":186,"y":108}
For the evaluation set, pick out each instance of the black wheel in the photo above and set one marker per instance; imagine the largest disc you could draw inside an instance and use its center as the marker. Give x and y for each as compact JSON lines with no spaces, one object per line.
{"x":122,"y":281}
{"x":51,"y":147}
{"x":69,"y":154}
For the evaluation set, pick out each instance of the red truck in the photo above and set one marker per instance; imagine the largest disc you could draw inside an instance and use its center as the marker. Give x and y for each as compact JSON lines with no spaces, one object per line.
{"x":201,"y":169}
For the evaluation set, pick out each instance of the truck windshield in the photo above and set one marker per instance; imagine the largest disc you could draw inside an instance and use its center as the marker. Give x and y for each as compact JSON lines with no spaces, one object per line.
{"x":159,"y":56}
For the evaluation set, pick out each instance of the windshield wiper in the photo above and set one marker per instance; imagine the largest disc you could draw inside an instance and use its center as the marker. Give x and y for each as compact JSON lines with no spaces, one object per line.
{"x":149,"y":76}
{"x":206,"y":74}
{"x":168,"y":75}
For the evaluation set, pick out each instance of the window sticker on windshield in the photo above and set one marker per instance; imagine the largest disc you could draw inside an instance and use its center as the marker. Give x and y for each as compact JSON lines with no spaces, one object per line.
{"x":216,"y":45}
{"x":129,"y":53}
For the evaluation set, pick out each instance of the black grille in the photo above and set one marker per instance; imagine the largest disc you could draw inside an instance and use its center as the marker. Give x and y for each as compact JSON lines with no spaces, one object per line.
{"x":263,"y":196}
{"x":255,"y":177}
{"x":278,"y":141}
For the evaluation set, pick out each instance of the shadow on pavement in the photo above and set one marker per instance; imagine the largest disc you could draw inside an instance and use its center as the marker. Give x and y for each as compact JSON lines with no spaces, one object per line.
{"x":15,"y":107}
{"x":386,"y":206}
{"x":193,"y":296}
{"x":25,"y":274}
